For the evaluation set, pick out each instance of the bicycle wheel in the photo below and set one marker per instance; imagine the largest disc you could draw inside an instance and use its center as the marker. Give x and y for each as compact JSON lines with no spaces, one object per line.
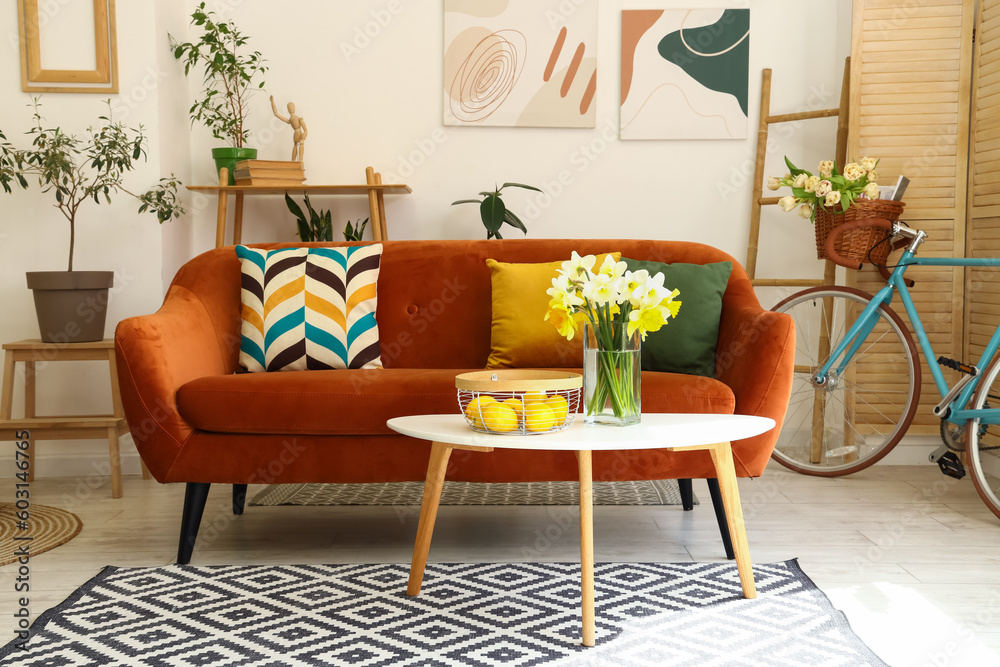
{"x":982,"y":441}
{"x":861,"y":412}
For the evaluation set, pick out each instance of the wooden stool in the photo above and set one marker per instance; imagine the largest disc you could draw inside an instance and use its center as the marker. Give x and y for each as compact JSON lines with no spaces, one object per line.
{"x":64,"y":427}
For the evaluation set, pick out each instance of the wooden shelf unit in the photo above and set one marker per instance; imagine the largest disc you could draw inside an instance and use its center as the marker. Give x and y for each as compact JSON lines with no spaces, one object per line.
{"x":68,"y":427}
{"x":373,"y":188}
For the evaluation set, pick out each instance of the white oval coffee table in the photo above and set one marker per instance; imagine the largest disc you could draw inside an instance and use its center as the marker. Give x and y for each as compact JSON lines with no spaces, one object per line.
{"x":674,"y":432}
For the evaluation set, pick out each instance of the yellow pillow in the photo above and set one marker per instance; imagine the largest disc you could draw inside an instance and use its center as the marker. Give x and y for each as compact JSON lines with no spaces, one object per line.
{"x":520,"y":337}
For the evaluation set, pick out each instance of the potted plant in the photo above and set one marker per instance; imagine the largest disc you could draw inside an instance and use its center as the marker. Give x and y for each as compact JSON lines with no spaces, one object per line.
{"x":231,"y":76}
{"x":71,"y":305}
{"x":318,"y":226}
{"x":494,"y":212}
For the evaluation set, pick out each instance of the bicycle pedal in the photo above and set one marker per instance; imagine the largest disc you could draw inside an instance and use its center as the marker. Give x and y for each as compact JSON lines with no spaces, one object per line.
{"x":951,"y":465}
{"x":957,"y":365}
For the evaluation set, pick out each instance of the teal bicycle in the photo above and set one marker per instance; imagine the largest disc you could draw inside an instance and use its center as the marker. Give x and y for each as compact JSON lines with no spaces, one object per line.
{"x":857,"y":376}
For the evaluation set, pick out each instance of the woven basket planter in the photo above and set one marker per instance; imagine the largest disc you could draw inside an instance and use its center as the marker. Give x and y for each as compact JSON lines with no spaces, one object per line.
{"x":860,"y":245}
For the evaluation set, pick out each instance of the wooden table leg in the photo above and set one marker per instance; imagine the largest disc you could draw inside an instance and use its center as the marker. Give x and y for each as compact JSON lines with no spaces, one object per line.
{"x":380,"y":199}
{"x":238,"y":220}
{"x":584,"y":463}
{"x":7,"y":396}
{"x":722,"y":458}
{"x":30,"y":395}
{"x":437,"y":467}
{"x":116,"y":462}
{"x":376,"y":223}
{"x":220,"y":222}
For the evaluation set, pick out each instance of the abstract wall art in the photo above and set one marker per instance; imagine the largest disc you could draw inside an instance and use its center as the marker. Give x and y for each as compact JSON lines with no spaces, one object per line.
{"x":520,"y":63}
{"x":685,"y":73}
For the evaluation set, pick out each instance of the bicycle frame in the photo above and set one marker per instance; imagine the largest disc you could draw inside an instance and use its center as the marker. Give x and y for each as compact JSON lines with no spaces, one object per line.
{"x":866,"y":321}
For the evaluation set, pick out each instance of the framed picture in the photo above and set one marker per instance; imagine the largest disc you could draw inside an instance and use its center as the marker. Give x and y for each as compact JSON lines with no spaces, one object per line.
{"x":68,"y":47}
{"x":520,"y":63}
{"x":685,"y":73}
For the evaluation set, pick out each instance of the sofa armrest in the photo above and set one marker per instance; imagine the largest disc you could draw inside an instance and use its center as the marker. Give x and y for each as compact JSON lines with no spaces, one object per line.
{"x":755,"y":358}
{"x":156,"y":355}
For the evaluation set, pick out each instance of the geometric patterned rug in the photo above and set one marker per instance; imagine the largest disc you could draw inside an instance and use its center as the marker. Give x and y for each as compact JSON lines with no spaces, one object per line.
{"x":646,"y":492}
{"x":511,"y":614}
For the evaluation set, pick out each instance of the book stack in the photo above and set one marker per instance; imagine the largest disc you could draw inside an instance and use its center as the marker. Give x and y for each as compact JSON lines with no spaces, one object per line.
{"x":269,"y":172}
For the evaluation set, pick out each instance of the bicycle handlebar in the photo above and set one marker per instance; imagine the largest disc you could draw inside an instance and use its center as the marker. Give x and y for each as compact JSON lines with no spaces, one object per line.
{"x":831,"y":240}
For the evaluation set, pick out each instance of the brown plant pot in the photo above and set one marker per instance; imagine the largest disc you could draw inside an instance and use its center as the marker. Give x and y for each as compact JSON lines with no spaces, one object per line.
{"x":71,"y":306}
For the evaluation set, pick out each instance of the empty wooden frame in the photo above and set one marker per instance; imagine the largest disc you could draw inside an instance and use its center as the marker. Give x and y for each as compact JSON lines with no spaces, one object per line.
{"x":36,"y":79}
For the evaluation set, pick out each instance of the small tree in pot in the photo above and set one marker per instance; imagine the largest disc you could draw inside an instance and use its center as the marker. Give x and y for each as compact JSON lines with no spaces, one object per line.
{"x":230,"y":77}
{"x":75,"y":171}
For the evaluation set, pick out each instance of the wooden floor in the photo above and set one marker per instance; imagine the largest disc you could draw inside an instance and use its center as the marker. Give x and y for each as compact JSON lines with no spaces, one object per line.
{"x":912,"y":557}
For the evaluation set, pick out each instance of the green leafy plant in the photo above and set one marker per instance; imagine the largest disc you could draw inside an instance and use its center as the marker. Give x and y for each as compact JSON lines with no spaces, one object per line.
{"x":318,"y":226}
{"x":493,"y":211}
{"x":356,"y":232}
{"x":229,"y":75}
{"x":76,"y":170}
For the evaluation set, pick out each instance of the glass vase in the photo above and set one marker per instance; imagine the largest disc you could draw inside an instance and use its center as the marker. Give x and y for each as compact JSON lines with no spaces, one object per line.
{"x":611,"y":375}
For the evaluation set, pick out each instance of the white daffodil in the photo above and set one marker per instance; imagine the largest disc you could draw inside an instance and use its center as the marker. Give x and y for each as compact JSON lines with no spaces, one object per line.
{"x":599,"y":290}
{"x":613,"y":269}
{"x":577,"y":266}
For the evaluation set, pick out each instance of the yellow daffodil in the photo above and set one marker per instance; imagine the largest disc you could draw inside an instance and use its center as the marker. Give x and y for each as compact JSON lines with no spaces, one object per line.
{"x":563,"y":320}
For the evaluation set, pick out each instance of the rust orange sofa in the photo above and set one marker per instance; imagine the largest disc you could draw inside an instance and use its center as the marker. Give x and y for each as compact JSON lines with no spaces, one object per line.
{"x":195,"y":420}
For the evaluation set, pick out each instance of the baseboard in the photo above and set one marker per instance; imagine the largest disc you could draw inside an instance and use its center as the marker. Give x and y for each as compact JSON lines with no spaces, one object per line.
{"x":75,"y":459}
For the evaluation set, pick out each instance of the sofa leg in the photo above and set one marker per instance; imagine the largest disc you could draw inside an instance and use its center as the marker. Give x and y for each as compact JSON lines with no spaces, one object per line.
{"x":687,"y":494}
{"x":195,"y":497}
{"x":720,"y":516}
{"x":239,"y":498}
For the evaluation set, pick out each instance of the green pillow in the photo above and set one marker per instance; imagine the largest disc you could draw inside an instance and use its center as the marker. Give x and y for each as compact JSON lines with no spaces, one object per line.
{"x":687,"y":344}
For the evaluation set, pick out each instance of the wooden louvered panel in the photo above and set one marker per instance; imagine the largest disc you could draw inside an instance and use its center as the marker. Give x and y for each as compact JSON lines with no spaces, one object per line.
{"x":982,"y":285}
{"x":909,"y":65}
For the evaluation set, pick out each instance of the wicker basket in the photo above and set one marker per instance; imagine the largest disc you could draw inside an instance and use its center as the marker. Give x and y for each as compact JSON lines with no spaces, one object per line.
{"x":536,"y":402}
{"x":855,"y":245}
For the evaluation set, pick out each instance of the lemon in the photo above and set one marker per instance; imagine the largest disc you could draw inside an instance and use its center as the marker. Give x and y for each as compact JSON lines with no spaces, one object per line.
{"x":538,"y":417}
{"x":499,"y":418}
{"x":475,"y":408}
{"x":533,"y":396}
{"x":517,"y":405}
{"x":560,"y":408}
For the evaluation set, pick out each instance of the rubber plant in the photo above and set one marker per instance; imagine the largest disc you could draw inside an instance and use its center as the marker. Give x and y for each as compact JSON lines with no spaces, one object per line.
{"x":494,"y":212}
{"x":76,"y":170}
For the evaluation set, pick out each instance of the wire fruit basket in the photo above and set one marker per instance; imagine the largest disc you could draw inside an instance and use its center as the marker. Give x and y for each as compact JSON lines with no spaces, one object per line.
{"x":859,"y":245}
{"x":519,"y":402}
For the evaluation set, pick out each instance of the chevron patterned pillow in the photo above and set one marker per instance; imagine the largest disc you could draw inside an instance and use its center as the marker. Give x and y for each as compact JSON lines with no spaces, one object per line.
{"x":309,"y":308}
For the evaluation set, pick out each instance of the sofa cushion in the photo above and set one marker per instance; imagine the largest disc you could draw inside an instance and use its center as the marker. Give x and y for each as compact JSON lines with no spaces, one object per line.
{"x":309,"y":308}
{"x":359,"y":402}
{"x":688,"y":342}
{"x":520,"y":337}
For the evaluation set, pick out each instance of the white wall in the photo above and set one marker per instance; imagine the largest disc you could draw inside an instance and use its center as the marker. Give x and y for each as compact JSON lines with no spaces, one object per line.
{"x":374,"y":99}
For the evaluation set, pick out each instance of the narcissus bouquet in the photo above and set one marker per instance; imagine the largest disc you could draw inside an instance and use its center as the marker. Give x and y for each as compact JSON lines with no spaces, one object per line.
{"x":617,"y":304}
{"x":828,"y":188}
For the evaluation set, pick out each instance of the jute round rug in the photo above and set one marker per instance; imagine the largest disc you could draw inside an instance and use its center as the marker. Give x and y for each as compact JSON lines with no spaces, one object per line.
{"x":48,"y":527}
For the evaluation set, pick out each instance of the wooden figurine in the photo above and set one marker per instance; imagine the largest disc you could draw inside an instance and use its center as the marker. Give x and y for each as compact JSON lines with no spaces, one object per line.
{"x":300,"y":130}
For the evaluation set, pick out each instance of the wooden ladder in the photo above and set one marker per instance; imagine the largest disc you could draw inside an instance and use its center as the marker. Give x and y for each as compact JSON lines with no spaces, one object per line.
{"x":766,"y":120}
{"x":830,"y":269}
